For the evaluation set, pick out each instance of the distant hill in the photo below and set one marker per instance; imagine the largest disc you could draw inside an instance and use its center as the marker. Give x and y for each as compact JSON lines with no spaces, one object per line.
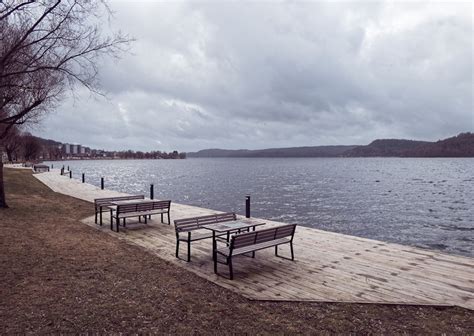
{"x":316,"y":151}
{"x":461,"y":145}
{"x":385,"y":147}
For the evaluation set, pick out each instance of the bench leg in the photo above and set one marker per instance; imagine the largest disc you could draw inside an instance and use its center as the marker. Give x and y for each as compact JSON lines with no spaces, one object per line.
{"x":214,"y":245}
{"x":100,"y":210}
{"x":111,"y":220}
{"x":118,"y":223}
{"x":177,"y":248}
{"x":214,"y":256}
{"x":228,"y":262}
{"x":95,"y":219}
{"x":140,"y":219}
{"x":231,"y":270}
{"x":189,"y":250}
{"x":162,"y":218}
{"x":169,"y":220}
{"x":291,"y":250}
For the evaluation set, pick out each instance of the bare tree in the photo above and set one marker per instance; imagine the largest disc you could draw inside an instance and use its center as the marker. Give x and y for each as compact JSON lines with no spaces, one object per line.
{"x":30,"y":147}
{"x":46,"y":48}
{"x":12,"y":143}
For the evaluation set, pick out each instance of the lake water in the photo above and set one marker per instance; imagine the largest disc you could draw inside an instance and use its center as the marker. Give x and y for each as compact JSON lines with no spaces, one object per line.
{"x":421,"y":202}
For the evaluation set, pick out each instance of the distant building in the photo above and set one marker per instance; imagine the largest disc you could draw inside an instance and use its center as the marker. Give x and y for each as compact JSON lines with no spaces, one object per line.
{"x":74,"y":150}
{"x":66,"y":149}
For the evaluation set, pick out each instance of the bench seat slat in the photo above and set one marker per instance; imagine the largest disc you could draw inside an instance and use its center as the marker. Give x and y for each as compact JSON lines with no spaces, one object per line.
{"x":140,"y":213}
{"x":246,"y":249}
{"x":198,"y":236}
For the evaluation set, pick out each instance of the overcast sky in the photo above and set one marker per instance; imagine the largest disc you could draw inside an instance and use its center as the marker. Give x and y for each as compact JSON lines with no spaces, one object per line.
{"x":261,"y":74}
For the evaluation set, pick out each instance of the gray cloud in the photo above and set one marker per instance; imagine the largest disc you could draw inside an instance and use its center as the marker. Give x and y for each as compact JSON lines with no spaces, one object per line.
{"x":281,"y":74}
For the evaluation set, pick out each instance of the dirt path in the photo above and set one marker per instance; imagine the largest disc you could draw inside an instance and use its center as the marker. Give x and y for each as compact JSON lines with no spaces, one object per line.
{"x":59,"y":275}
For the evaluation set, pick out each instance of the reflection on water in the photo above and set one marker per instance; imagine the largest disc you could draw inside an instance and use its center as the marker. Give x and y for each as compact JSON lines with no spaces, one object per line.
{"x":421,"y":202}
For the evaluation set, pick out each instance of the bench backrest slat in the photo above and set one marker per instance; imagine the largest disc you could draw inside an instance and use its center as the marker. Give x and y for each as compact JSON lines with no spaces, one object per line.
{"x":108,"y":200}
{"x":144,"y":206}
{"x":243,"y":240}
{"x":265,"y":235}
{"x":284,"y":231}
{"x":126,"y":208}
{"x":159,"y":205}
{"x":148,"y":206}
{"x":194,"y":223}
{"x":262,"y":236}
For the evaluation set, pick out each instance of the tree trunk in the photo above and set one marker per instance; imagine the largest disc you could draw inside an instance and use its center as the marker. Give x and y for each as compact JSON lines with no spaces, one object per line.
{"x":3,"y":202}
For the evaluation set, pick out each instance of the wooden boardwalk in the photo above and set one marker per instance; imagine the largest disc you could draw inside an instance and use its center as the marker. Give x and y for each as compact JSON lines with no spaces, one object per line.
{"x":329,"y":267}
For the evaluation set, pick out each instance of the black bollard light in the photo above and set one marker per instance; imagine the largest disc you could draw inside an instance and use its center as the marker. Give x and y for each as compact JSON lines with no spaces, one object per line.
{"x":70,"y":174}
{"x":52,"y":166}
{"x":62,"y":171}
{"x":247,"y":206}
{"x":152,"y":191}
{"x":67,"y":167}
{"x":83,"y":178}
{"x":102,"y":183}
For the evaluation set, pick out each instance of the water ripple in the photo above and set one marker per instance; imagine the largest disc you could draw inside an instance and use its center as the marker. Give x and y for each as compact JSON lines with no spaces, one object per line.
{"x":420,"y":202}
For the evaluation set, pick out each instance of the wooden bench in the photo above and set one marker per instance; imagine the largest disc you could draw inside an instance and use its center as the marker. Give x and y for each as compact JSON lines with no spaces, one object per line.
{"x":145,"y":209}
{"x":247,"y":242}
{"x":40,"y":168}
{"x":184,"y":228}
{"x":100,"y":203}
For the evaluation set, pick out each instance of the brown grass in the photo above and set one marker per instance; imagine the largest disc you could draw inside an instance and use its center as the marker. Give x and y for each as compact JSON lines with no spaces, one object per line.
{"x":59,"y":275}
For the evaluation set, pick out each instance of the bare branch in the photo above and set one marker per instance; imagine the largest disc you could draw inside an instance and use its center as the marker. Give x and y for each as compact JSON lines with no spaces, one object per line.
{"x":9,"y":11}
{"x":47,"y":47}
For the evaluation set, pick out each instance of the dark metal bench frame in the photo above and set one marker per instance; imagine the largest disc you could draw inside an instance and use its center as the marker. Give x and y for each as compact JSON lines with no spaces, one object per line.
{"x":187,"y":225}
{"x":100,"y":203}
{"x":249,"y":242}
{"x":147,"y":209}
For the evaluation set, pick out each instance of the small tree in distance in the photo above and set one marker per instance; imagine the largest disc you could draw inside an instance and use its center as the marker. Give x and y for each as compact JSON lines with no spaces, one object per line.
{"x":47,"y":48}
{"x":12,"y":143}
{"x":31,"y":147}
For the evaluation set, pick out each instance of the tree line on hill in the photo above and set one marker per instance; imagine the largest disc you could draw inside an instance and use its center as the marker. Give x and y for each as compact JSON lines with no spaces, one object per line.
{"x":22,"y":146}
{"x":461,"y":145}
